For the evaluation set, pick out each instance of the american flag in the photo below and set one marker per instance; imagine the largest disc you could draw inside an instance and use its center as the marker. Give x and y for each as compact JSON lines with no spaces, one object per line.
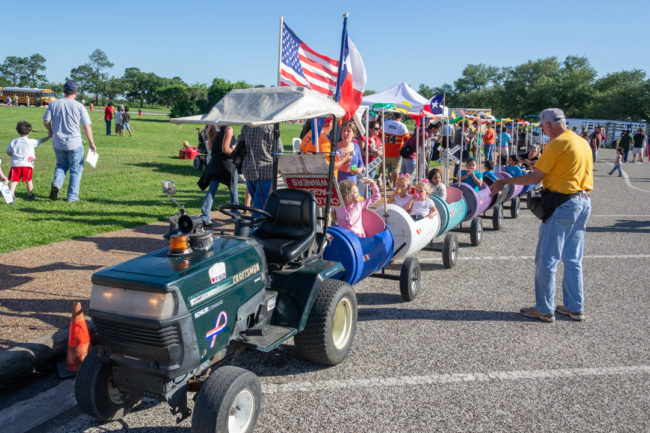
{"x":301,"y":66}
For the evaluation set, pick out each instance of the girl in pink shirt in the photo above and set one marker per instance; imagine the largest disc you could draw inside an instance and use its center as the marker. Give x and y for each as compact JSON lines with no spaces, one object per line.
{"x":349,"y":217}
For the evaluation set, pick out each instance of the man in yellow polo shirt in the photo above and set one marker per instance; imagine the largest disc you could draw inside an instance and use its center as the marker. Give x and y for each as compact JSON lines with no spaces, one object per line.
{"x":565,"y":168}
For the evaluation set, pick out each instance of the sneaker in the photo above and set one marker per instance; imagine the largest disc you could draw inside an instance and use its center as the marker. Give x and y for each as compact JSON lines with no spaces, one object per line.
{"x":31,"y":196}
{"x":54,"y":192}
{"x":610,"y":174}
{"x":207,"y":224}
{"x":578,"y":316}
{"x":532,"y":313}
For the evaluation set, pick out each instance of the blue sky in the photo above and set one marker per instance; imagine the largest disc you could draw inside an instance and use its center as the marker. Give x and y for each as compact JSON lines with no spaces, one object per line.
{"x":415,"y":42}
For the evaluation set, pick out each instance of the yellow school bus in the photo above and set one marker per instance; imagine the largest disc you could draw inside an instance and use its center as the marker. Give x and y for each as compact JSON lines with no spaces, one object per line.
{"x":28,"y":96}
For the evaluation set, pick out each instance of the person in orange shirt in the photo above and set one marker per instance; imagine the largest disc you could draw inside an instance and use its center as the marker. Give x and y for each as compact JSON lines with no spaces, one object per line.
{"x":396,"y":134}
{"x":324,"y":144}
{"x":489,"y":139}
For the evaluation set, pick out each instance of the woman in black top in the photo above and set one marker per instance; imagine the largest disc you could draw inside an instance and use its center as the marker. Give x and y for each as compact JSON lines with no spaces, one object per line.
{"x":219,"y":170}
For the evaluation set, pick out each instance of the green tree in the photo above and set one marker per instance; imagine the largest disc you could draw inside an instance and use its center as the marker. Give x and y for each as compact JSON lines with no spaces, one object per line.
{"x":531,"y":87}
{"x":14,"y":69}
{"x":98,"y":63}
{"x":190,"y":100}
{"x":623,"y":95}
{"x":83,"y":76}
{"x":33,"y":66}
{"x":133,"y":83}
{"x":575,"y":89}
{"x":220,"y":87}
{"x":170,"y":95}
{"x":114,"y":86}
{"x":477,"y":77}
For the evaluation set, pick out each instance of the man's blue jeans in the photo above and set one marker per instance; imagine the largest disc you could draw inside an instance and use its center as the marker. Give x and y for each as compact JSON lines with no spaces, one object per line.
{"x":488,"y":150}
{"x":206,"y":207}
{"x":72,"y":160}
{"x":259,"y":191}
{"x":108,"y":126}
{"x":561,"y":237}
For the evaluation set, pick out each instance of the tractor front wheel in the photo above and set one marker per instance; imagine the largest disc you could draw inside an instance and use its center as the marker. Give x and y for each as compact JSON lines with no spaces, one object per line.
{"x":97,"y":395}
{"x":229,"y":401}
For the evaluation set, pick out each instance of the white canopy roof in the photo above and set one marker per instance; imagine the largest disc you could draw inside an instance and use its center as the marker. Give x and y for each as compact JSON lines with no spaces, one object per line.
{"x":397,"y":95}
{"x":261,"y":106}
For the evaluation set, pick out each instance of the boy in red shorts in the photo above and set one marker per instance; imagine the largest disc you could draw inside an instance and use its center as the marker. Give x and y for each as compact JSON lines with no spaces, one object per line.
{"x":22,"y":154}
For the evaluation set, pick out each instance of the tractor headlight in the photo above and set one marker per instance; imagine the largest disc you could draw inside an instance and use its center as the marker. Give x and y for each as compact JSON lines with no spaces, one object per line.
{"x":133,"y":303}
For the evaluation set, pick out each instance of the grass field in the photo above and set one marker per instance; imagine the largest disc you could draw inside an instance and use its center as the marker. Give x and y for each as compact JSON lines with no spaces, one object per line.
{"x":123,"y":191}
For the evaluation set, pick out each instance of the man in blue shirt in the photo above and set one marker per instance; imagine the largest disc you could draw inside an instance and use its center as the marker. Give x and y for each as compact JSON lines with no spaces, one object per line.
{"x":504,"y":142}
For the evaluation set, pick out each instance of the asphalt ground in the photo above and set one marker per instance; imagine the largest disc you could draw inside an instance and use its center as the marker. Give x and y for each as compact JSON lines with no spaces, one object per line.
{"x":460,"y":357}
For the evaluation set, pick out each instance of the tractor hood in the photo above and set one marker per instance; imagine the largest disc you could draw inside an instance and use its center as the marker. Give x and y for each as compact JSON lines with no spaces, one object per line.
{"x":160,"y":272}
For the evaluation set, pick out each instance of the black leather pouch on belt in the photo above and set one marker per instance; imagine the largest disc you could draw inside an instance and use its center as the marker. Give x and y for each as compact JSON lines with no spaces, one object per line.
{"x":543,"y":206}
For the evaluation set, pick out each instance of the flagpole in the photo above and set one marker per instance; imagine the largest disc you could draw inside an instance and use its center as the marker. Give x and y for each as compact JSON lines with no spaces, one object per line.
{"x":280,"y":49}
{"x":337,"y":92}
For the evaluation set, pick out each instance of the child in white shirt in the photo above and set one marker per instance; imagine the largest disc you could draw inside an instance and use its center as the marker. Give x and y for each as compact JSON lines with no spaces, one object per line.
{"x":402,"y":194}
{"x":22,"y":154}
{"x":420,"y":205}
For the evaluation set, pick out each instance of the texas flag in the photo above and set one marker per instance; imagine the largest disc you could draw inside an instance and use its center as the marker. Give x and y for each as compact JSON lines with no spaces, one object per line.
{"x":352,"y":77}
{"x":435,"y":104}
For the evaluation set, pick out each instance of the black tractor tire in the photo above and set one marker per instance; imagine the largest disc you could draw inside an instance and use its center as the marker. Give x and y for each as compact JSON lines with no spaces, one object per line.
{"x":95,"y":393}
{"x":450,"y":250}
{"x":476,"y":232}
{"x":197,"y":163}
{"x":331,"y":326}
{"x":515,"y":207}
{"x":497,"y":217}
{"x":409,"y":278}
{"x":229,"y":401}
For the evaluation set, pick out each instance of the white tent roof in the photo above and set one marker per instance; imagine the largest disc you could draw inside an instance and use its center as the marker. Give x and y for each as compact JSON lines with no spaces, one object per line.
{"x":397,"y":95}
{"x":266,"y":105}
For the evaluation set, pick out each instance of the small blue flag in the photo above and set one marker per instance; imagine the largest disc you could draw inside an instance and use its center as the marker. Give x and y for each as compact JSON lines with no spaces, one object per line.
{"x":436,"y":103}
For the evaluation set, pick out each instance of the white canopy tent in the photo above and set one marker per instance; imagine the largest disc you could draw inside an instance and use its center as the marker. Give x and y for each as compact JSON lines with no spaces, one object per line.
{"x":262,"y":106}
{"x":397,"y":95}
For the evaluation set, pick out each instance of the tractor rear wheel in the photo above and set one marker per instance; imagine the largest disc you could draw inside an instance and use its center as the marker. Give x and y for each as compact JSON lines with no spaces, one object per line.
{"x":331,"y":326}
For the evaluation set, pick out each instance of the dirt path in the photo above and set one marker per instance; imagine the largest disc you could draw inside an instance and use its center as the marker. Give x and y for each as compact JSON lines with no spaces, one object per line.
{"x":38,"y":285}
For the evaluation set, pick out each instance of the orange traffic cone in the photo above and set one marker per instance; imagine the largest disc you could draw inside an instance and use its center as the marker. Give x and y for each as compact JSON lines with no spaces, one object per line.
{"x":78,"y":341}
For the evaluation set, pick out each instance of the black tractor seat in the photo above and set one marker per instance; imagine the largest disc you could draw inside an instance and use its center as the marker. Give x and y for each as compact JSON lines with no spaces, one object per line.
{"x":291,"y":231}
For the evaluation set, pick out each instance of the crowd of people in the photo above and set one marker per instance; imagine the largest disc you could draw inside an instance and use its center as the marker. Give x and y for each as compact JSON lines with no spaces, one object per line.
{"x":565,"y":169}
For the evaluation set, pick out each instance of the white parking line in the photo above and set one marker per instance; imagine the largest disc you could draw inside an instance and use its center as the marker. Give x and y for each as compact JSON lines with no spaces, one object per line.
{"x":443,"y":379}
{"x":597,"y":216}
{"x":595,"y":256}
{"x":626,"y":179}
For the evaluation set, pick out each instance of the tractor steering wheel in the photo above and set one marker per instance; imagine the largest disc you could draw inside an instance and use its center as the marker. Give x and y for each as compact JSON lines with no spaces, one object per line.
{"x":253,"y":221}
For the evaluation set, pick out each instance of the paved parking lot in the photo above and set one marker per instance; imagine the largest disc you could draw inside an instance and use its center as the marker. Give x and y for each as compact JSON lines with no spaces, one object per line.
{"x":460,"y":357}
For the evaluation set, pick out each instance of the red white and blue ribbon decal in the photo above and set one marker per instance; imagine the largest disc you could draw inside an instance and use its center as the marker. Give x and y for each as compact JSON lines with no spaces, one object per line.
{"x":219,"y":326}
